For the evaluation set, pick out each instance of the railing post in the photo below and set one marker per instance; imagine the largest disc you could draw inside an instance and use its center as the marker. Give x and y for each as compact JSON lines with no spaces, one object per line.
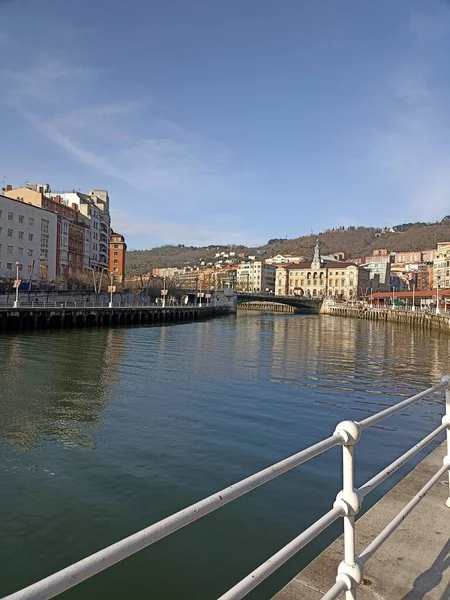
{"x":446,"y":421}
{"x":349,"y":571}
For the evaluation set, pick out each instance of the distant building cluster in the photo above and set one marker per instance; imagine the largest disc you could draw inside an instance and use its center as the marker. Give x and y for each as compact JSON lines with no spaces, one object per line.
{"x":323,"y":276}
{"x":57,"y":237}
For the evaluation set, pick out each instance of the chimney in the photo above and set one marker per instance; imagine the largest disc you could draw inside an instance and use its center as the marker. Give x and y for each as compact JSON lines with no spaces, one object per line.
{"x":8,"y":188}
{"x":74,"y":206}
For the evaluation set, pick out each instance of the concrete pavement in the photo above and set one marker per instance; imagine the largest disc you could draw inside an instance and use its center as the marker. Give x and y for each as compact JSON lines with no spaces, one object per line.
{"x":413,"y":564}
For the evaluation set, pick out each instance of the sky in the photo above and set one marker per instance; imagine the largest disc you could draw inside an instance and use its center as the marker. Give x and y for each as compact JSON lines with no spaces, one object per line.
{"x":231,"y":121}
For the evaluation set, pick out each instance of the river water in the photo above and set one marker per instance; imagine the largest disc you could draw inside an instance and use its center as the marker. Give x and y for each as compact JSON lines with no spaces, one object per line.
{"x":103,"y":432}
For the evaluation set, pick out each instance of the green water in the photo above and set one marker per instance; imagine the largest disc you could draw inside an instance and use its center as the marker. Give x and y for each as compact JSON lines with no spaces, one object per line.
{"x":103,"y":432}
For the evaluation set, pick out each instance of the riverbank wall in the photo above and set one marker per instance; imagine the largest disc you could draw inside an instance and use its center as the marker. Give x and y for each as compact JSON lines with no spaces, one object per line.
{"x":266,"y":307}
{"x":417,"y":318}
{"x":22,"y":319}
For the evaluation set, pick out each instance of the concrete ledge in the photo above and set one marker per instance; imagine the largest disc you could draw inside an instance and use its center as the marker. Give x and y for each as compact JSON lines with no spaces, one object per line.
{"x":413,"y":564}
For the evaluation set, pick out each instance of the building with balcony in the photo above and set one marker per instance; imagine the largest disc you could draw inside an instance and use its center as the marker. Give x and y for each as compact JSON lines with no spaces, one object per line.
{"x":95,"y":208}
{"x":72,"y":227}
{"x":255,"y":277}
{"x":117,"y":252}
{"x":441,"y":266}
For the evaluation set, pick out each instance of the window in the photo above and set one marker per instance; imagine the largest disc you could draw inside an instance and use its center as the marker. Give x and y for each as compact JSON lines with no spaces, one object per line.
{"x":9,"y":266}
{"x":116,"y":254}
{"x":31,"y":222}
{"x":30,"y":251}
{"x":44,"y":226}
{"x":20,"y":251}
{"x":30,"y":237}
{"x":10,"y":216}
{"x":20,"y":235}
{"x":21,"y":217}
{"x":116,"y":245}
{"x":10,"y":249}
{"x":1,"y":212}
{"x":116,"y":268}
{"x":116,"y":261}
{"x":10,"y":232}
{"x":20,"y":267}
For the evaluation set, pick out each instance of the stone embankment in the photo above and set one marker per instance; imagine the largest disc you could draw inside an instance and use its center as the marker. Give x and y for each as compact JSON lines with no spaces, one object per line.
{"x":417,"y":318}
{"x":266,"y":306}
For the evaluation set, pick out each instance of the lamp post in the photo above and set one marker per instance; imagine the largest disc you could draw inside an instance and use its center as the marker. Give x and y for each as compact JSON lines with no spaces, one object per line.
{"x":438,"y":310}
{"x":371,"y":297}
{"x":16,"y":283}
{"x":30,"y":280}
{"x":111,"y":288}
{"x":413,"y":299}
{"x":164,"y":292}
{"x":393,"y":297}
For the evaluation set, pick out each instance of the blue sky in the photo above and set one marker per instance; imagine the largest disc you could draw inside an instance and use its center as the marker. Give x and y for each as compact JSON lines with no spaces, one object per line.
{"x":231,"y":121}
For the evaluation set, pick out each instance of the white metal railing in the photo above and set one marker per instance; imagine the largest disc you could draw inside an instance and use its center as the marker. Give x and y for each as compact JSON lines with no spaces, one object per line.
{"x":347,"y":505}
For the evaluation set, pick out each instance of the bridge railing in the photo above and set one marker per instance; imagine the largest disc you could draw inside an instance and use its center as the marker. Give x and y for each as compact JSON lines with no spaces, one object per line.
{"x":347,"y":505}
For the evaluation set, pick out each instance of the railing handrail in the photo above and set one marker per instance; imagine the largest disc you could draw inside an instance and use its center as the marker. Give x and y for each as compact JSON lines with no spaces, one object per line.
{"x":348,"y":503}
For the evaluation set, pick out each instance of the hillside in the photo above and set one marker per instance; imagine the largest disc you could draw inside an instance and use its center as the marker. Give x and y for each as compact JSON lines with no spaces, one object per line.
{"x":355,"y":242}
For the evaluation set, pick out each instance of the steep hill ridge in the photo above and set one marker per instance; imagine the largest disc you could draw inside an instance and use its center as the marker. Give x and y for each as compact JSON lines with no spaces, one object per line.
{"x":355,"y":242}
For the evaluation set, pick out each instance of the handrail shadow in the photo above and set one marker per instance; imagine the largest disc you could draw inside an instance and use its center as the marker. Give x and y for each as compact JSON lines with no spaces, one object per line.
{"x":430,"y":578}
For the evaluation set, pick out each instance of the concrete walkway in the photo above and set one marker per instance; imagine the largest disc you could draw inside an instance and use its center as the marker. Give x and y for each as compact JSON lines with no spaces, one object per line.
{"x":413,"y":564}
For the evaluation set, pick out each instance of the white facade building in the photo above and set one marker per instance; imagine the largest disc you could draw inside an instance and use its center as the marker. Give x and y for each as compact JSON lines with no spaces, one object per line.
{"x":95,"y":207}
{"x":256,"y":277}
{"x":28,"y":236}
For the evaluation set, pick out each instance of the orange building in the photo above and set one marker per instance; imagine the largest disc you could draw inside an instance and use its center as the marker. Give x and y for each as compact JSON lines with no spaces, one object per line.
{"x":117,"y":250}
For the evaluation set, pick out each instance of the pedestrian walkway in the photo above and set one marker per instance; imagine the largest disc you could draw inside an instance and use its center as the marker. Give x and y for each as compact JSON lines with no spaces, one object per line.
{"x":413,"y":564}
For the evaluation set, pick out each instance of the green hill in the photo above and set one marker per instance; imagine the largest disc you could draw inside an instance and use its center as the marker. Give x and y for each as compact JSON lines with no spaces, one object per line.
{"x":354,"y":241}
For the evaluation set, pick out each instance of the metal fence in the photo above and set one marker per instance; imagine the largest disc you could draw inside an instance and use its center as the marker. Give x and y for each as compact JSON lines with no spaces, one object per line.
{"x":347,"y":505}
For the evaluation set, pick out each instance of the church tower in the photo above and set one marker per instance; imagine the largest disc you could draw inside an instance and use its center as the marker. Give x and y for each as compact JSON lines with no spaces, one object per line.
{"x":317,"y":260}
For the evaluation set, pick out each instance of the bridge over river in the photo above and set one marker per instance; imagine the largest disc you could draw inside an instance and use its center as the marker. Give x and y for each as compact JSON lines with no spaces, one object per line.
{"x":301,"y":304}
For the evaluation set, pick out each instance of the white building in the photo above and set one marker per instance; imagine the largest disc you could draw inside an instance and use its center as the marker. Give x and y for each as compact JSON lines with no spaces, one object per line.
{"x":94,"y":206}
{"x":441,"y":266}
{"x":284,"y":259}
{"x":256,"y":277}
{"x":28,"y":236}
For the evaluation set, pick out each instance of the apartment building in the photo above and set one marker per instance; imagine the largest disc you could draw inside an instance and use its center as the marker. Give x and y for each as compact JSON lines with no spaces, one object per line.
{"x":28,"y":236}
{"x":416,"y":256}
{"x":95,"y":207}
{"x":72,"y":226}
{"x":441,"y":266}
{"x":255,"y":277}
{"x":117,"y":251}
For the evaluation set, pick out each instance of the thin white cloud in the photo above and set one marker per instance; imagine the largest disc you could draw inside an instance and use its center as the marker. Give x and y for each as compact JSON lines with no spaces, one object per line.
{"x":47,"y":79}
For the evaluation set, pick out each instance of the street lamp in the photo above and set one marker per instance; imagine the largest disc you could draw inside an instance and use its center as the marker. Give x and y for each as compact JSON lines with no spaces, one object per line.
{"x":111,"y":289}
{"x":413,"y":299}
{"x":164,"y":292}
{"x":393,"y":297}
{"x":438,"y":310}
{"x":16,"y":284}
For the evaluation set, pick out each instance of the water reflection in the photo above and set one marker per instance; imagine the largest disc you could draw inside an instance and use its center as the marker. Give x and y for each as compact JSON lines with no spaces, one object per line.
{"x":57,"y":386}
